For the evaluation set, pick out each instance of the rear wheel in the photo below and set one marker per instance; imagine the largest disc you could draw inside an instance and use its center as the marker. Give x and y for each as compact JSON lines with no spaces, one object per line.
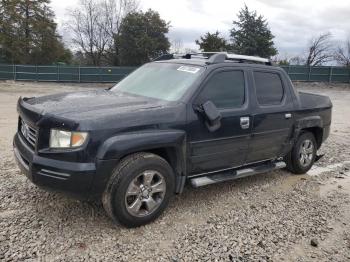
{"x":303,"y":154}
{"x":139,"y":189}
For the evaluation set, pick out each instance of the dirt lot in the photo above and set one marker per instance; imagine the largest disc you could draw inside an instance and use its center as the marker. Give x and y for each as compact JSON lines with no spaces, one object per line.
{"x":267,"y":217}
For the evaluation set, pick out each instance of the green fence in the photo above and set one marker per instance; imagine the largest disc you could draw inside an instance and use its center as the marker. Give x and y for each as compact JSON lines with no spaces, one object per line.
{"x":318,"y":73}
{"x":65,"y":73}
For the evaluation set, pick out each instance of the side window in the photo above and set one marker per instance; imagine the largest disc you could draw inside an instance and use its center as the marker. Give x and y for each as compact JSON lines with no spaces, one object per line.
{"x":225,"y":89}
{"x":269,"y":88}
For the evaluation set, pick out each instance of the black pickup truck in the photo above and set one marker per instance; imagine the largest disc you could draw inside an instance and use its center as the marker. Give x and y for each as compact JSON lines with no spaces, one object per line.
{"x":197,"y":120}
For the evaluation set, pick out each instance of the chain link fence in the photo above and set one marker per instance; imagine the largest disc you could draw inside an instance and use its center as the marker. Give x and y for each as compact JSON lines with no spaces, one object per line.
{"x":71,"y":73}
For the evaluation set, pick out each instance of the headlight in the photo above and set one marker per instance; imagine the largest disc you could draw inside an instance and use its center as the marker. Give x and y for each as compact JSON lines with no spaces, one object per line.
{"x":65,"y":139}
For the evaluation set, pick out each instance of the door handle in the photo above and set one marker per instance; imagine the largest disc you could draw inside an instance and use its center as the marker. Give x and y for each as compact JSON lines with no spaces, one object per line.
{"x":288,"y":115}
{"x":245,"y":122}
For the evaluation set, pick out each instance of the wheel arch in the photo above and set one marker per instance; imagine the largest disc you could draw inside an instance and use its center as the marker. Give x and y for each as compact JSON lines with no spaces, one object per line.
{"x":170,"y":145}
{"x":314,"y":125}
{"x":317,"y":132}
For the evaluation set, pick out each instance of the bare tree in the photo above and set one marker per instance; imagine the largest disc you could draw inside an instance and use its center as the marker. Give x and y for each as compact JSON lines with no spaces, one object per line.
{"x":94,"y":24}
{"x":191,"y":51}
{"x":297,"y":60}
{"x":281,"y":59}
{"x":320,"y":50}
{"x":287,"y":59}
{"x":176,"y":46}
{"x":342,"y":54}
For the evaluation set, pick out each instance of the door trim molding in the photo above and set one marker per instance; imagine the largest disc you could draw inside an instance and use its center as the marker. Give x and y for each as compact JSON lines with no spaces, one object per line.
{"x":218,"y":139}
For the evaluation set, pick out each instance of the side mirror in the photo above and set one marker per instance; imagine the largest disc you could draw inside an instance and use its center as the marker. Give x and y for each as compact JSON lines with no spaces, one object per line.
{"x":212,"y":115}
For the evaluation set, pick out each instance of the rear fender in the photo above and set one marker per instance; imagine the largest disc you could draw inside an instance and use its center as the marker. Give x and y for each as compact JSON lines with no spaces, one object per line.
{"x":310,"y":123}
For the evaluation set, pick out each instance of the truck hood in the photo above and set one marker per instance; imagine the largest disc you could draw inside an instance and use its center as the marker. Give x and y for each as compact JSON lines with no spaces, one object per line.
{"x":97,"y":109}
{"x":88,"y":104}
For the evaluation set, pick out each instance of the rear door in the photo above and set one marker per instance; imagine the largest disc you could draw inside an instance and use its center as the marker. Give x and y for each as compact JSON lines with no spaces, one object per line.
{"x":226,"y":147}
{"x":272,"y":116}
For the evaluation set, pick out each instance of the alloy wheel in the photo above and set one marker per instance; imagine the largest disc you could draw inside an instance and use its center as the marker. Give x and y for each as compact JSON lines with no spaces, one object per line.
{"x":306,"y":153}
{"x":145,"y":193}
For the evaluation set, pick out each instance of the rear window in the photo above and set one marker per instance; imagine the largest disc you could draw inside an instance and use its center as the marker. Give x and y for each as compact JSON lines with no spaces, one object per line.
{"x":269,"y":88}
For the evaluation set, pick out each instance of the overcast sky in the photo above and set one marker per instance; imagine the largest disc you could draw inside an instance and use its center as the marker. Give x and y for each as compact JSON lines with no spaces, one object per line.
{"x":292,"y":22}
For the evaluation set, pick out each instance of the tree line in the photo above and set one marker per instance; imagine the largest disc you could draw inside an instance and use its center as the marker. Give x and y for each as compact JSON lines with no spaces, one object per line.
{"x":251,"y":35}
{"x":117,"y":32}
{"x":101,"y":32}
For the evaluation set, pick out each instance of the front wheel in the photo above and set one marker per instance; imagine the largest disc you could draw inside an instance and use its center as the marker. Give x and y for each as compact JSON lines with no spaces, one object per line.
{"x":139,"y":189}
{"x":303,"y":154}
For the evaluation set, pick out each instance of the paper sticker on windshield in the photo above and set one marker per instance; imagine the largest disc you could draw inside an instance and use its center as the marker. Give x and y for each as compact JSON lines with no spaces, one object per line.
{"x":189,"y":69}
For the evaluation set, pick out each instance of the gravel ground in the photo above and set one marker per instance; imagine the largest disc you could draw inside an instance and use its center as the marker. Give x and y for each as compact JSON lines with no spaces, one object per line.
{"x":270,"y":217}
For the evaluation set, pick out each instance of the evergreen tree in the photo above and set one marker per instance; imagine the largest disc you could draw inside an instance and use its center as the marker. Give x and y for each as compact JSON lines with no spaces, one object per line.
{"x":212,"y":42}
{"x":251,"y":35}
{"x":28,"y":33}
{"x":141,"y":38}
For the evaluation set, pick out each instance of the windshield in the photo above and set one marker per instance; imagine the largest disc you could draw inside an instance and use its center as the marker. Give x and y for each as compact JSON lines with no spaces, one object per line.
{"x":160,"y":80}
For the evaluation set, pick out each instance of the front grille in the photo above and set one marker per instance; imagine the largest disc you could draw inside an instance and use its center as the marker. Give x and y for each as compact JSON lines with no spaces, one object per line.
{"x":30,"y":133}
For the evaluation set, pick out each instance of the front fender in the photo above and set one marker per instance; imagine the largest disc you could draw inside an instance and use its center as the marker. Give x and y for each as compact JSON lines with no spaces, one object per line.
{"x":174,"y":141}
{"x":123,"y":144}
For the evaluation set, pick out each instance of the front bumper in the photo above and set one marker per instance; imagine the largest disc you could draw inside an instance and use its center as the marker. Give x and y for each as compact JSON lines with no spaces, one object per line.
{"x":83,"y":179}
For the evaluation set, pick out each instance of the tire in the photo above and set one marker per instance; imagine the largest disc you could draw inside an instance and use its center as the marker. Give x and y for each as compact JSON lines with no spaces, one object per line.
{"x":300,"y":161}
{"x":139,"y":189}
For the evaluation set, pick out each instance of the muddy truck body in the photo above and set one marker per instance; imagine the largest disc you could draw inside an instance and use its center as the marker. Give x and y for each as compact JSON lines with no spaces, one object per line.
{"x":198,"y":120}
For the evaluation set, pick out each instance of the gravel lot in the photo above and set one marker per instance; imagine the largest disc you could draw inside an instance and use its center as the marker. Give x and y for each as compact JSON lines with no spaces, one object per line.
{"x":270,"y":217}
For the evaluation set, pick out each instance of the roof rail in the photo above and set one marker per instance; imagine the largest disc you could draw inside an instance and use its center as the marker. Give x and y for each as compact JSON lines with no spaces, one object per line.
{"x":241,"y":58}
{"x":176,"y":56}
{"x":248,"y":58}
{"x":216,"y":57}
{"x":164,"y":57}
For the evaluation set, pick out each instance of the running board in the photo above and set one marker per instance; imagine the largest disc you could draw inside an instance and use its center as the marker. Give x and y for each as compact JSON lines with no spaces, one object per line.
{"x":235,"y":174}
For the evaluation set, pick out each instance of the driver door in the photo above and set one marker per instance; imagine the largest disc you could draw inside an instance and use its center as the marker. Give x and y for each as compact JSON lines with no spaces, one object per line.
{"x":226,"y":147}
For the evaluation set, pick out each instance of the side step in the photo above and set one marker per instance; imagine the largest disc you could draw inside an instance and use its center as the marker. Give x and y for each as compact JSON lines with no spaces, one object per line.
{"x":234,"y":174}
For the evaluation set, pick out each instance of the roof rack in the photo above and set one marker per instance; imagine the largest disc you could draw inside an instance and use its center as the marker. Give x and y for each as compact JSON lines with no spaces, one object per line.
{"x":216,"y":57}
